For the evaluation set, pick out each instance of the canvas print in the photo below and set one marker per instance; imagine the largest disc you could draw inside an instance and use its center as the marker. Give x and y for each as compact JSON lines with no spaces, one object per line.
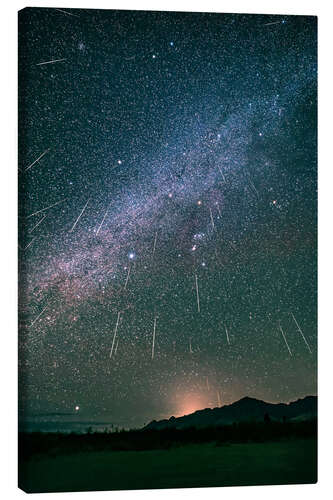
{"x":167,"y":215}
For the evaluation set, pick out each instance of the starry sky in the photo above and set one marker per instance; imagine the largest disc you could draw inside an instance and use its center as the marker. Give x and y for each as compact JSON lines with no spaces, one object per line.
{"x":167,"y":211}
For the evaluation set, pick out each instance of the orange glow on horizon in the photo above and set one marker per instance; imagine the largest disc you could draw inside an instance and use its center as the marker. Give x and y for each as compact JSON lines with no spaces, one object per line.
{"x":190,"y":403}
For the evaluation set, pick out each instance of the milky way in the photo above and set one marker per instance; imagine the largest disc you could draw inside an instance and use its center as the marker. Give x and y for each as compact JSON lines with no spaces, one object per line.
{"x":167,"y":211}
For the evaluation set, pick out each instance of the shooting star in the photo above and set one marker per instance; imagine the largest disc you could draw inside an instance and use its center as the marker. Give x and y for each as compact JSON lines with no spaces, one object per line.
{"x":227,"y":335}
{"x":46,"y":208}
{"x":114,"y":335}
{"x":50,"y":62}
{"x":77,"y":220}
{"x":191,"y":352}
{"x":154,"y":243}
{"x":129,"y":270}
{"x":153,"y":345}
{"x":218,"y":398}
{"x":300,"y":331}
{"x":255,"y":189}
{"x":36,"y":225}
{"x":284,"y":337}
{"x":28,"y":245}
{"x":39,"y":315}
{"x":39,"y":158}
{"x":197,"y":289}
{"x":222,"y":174}
{"x":271,"y":24}
{"x":115,"y":351}
{"x":67,"y":13}
{"x":98,"y":230}
{"x":211,"y":218}
{"x":207,"y":384}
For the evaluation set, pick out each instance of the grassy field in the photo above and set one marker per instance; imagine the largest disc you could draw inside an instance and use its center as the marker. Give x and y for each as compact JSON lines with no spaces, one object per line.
{"x":203,"y":465}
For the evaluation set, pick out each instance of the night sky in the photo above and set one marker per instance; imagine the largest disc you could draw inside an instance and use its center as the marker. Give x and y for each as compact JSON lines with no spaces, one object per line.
{"x":167,"y":211}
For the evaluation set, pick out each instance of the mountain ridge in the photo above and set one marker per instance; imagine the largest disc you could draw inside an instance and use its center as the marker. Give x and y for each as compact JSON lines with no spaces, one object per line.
{"x":245,"y":409}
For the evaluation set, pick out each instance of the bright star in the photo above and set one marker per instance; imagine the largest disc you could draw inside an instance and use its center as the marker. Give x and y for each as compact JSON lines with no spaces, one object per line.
{"x":198,"y":236}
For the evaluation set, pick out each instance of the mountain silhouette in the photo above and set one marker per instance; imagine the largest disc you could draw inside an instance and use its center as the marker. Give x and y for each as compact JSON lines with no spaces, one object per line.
{"x":246,"y":409}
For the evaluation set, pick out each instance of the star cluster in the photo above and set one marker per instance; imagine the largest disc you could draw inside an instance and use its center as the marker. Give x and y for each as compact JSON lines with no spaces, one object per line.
{"x":167,"y":211}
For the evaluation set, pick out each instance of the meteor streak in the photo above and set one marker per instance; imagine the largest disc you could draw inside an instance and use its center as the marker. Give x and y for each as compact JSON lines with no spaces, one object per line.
{"x":98,"y":230}
{"x":39,"y":315}
{"x":227,"y":335}
{"x":28,"y":245}
{"x":46,"y":208}
{"x":300,"y":331}
{"x":197,"y":289}
{"x":218,"y":209}
{"x":115,"y":351}
{"x":153,"y":346}
{"x":115,"y":333}
{"x":67,"y":13}
{"x":284,"y":337}
{"x":211,"y":218}
{"x":222,"y":174}
{"x":77,"y":220}
{"x":255,"y":189}
{"x":50,"y":62}
{"x":155,"y":243}
{"x":39,"y":158}
{"x":129,"y":270}
{"x":271,"y":24}
{"x":36,"y":225}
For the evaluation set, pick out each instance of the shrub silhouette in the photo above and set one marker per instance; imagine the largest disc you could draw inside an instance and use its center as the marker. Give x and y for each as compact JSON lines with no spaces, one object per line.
{"x":54,"y":444}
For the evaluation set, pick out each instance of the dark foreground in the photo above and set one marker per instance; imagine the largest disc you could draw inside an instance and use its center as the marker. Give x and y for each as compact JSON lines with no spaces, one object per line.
{"x":193,"y":465}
